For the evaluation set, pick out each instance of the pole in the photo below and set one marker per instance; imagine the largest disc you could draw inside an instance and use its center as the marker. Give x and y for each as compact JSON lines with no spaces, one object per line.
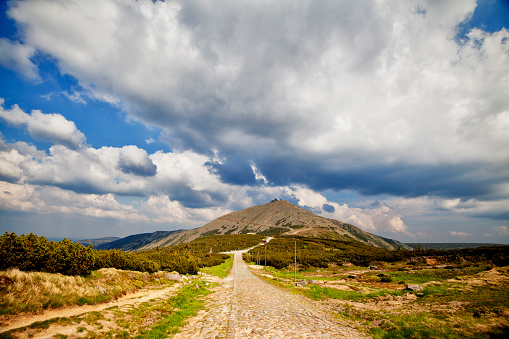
{"x":295,"y":264}
{"x":265,"y":246}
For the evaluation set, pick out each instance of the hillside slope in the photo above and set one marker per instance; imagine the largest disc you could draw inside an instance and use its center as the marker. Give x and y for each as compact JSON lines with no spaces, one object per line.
{"x":136,"y":241}
{"x":98,"y":241}
{"x":278,"y":217}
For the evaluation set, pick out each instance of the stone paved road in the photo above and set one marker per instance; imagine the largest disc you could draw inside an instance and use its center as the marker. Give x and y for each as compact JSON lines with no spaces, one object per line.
{"x":247,"y":307}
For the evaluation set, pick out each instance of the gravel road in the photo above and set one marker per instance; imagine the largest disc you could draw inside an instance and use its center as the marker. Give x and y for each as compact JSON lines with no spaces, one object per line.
{"x":245,"y":306}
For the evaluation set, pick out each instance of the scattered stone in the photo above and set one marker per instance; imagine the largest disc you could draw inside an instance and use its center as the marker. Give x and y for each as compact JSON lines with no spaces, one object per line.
{"x":414,"y":287}
{"x":373,"y":268}
{"x":102,"y":290}
{"x":410,"y":296}
{"x":300,"y":283}
{"x":173,"y":277}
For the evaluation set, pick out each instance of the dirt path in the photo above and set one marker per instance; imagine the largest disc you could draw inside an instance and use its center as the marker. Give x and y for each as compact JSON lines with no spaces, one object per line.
{"x":131,"y":299}
{"x":247,"y":307}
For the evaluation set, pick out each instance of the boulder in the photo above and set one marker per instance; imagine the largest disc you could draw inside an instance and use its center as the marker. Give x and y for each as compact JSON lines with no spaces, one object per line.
{"x":173,"y":277}
{"x":301,"y":283}
{"x":373,"y":268}
{"x":414,"y":287}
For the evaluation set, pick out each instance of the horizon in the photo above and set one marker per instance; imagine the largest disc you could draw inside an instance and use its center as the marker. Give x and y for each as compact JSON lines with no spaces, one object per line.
{"x":148,"y":115}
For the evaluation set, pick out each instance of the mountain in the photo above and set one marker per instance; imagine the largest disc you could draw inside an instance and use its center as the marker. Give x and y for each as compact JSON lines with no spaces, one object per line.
{"x":275,"y":218}
{"x":98,"y":241}
{"x":136,"y":241}
{"x":447,"y":246}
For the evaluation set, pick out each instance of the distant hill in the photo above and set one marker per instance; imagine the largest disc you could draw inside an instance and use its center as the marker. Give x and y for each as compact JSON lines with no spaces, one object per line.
{"x":136,"y":241}
{"x":278,"y":218}
{"x":446,"y":246}
{"x":98,"y":241}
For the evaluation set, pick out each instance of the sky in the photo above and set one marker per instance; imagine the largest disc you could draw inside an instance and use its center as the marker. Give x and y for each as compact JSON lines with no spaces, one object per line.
{"x":120,"y":117}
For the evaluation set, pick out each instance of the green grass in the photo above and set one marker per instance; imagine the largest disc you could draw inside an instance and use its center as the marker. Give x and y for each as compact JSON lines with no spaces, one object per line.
{"x":219,"y":270}
{"x":424,"y":275}
{"x":319,"y":293}
{"x":168,"y":314}
{"x":186,"y":304}
{"x":419,"y":326}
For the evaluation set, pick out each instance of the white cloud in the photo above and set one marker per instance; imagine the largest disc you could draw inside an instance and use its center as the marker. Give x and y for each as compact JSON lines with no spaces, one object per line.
{"x":16,"y":56}
{"x":381,"y":218}
{"x":84,"y":182}
{"x":48,"y":200}
{"x":473,"y":207}
{"x":501,"y":230}
{"x":135,"y":160}
{"x":258,"y":174}
{"x":74,"y":96}
{"x":459,"y":234}
{"x":336,"y":86}
{"x":51,"y":127}
{"x":316,"y":94}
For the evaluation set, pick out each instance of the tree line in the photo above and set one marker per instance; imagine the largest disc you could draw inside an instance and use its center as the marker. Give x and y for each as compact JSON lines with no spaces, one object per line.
{"x":318,"y":252}
{"x":33,"y":253}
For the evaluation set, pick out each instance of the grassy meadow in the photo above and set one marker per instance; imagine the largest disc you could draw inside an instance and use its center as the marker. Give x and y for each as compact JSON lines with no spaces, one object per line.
{"x":467,"y":300}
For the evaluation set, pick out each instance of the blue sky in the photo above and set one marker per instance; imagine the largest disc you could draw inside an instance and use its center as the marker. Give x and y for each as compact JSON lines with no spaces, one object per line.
{"x":123,"y":117}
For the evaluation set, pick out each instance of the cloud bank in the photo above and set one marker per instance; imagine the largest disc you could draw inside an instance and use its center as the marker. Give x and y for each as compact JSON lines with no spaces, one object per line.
{"x":381,"y":90}
{"x":287,"y":98}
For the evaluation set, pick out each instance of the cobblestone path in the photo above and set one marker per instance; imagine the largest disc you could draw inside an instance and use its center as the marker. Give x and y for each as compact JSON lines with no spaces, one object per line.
{"x":247,"y":307}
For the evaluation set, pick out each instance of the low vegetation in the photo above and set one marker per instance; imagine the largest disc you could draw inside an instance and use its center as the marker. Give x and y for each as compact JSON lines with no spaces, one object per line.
{"x":32,"y":292}
{"x":155,"y":319}
{"x":317,"y":252}
{"x":29,"y":283}
{"x":464,"y":292}
{"x":33,"y":253}
{"x":221,"y":270}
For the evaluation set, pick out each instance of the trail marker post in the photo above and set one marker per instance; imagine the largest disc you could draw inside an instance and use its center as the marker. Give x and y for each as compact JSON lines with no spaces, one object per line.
{"x":265,"y":246}
{"x":295,"y":264}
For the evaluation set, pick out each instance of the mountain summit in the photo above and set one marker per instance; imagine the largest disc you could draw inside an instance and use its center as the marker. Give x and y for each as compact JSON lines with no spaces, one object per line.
{"x":278,"y":217}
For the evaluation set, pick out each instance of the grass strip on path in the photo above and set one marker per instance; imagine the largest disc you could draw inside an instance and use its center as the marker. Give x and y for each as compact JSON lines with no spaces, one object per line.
{"x":221,"y":270}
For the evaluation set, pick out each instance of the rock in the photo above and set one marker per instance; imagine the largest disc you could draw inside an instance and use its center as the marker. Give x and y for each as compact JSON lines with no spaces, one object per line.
{"x":373,"y":268}
{"x":173,"y":277}
{"x":286,"y":280}
{"x":352,"y":276}
{"x":316,"y":282}
{"x":102,"y":290}
{"x":414,"y":287}
{"x":301,"y":283}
